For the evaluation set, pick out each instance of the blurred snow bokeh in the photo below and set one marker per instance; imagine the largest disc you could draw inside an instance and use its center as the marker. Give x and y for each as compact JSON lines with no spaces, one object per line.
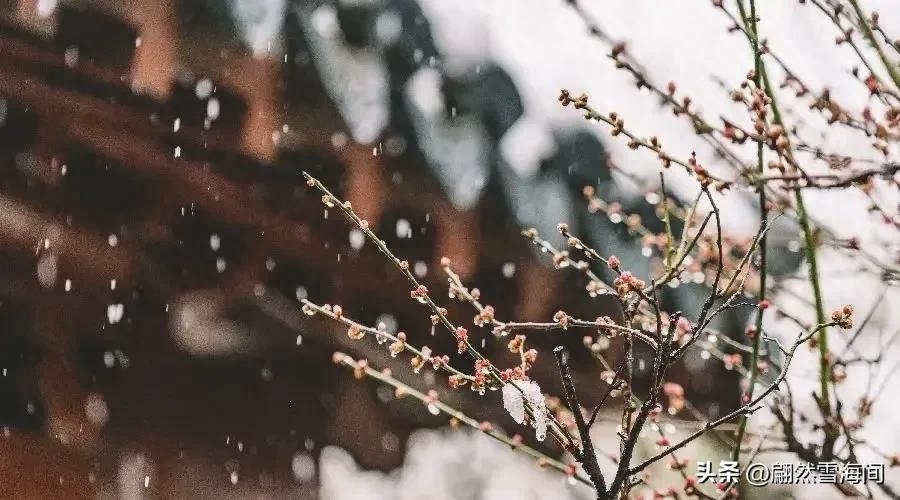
{"x":447,"y":465}
{"x":545,"y":47}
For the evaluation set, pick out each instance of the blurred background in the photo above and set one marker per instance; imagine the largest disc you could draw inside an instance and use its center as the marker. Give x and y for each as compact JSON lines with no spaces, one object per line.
{"x":157,"y":235}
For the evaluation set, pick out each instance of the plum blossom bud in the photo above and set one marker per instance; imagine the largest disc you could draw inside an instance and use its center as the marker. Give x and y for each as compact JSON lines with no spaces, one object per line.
{"x":843,"y":317}
{"x":562,"y":318}
{"x":397,"y":347}
{"x":627,"y":282}
{"x":516,"y":344}
{"x":485,"y":316}
{"x":462,"y":338}
{"x":613,"y":262}
{"x":438,"y":361}
{"x":355,"y":332}
{"x":456,"y":381}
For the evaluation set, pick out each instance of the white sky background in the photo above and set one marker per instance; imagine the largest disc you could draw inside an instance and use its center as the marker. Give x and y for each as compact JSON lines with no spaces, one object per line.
{"x":545,"y":47}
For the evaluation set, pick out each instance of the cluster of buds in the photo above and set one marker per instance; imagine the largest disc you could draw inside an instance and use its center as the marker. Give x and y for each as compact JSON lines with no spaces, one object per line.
{"x":417,"y":362}
{"x":516,"y":344}
{"x":482,"y":370}
{"x":438,"y":361}
{"x":511,"y":374}
{"x":462,"y":339}
{"x":613,"y":262}
{"x":843,"y":317}
{"x":562,"y":318}
{"x":420,"y":293}
{"x":700,"y":171}
{"x":485,"y":316}
{"x":618,"y":123}
{"x":529,"y":357}
{"x":398,"y":345}
{"x":355,"y":332}
{"x":605,"y":326}
{"x":565,"y":98}
{"x":627,"y":282}
{"x":836,"y":113}
{"x":456,"y":381}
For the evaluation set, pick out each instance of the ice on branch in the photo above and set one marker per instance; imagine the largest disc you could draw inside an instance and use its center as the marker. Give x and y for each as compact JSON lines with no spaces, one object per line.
{"x":515,"y":394}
